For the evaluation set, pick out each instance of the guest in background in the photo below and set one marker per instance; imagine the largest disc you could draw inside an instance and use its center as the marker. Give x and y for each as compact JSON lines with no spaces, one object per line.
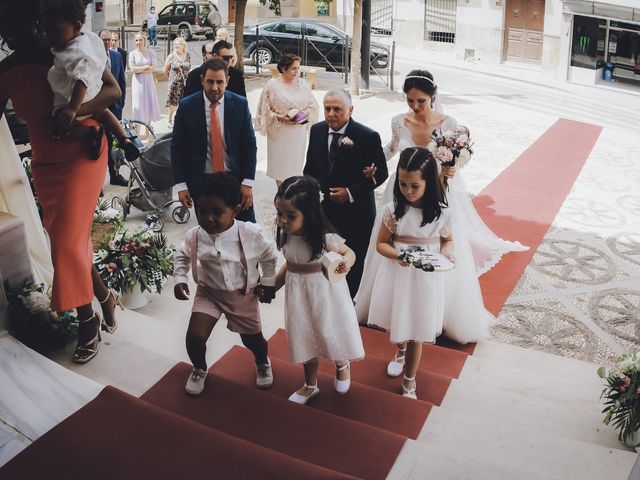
{"x":115,"y":45}
{"x":116,"y":66}
{"x":194,"y":79}
{"x":286,"y":139}
{"x":225,"y":51}
{"x":143,"y":87}
{"x":152,"y":27}
{"x":223,"y":34}
{"x":176,"y":68}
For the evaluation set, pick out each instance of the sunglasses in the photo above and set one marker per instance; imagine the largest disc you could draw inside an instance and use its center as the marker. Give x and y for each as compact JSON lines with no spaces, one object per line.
{"x":227,"y":58}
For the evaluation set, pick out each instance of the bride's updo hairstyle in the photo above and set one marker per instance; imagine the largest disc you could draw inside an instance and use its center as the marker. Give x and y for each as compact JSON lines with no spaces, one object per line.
{"x":420,"y":80}
{"x":434,"y":199}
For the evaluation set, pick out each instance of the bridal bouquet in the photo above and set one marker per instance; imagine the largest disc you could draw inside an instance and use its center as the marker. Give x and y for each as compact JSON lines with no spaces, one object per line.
{"x":622,"y":397}
{"x":451,"y":148}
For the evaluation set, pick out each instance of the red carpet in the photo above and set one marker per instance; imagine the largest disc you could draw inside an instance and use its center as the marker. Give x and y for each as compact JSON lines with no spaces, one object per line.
{"x":117,"y":436}
{"x":238,"y":408}
{"x":522,"y":202}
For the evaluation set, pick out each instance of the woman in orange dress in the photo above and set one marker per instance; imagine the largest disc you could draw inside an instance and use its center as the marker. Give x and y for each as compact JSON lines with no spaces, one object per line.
{"x":67,"y":180}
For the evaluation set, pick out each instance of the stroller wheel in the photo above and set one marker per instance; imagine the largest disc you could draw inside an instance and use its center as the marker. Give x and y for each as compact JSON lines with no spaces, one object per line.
{"x":121,"y":206}
{"x":155,"y":223}
{"x":180,"y":214}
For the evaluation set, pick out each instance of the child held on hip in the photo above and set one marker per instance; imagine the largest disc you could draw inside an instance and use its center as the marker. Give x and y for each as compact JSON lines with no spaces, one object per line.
{"x":407,"y":301}
{"x":76,"y":76}
{"x":320,"y":317}
{"x":223,"y":254}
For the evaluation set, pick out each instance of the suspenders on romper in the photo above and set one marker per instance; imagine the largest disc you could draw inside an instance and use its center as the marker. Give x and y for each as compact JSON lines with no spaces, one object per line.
{"x":192,"y":240}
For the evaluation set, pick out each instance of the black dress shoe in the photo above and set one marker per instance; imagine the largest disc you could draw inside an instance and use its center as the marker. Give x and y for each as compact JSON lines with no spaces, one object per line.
{"x":119,"y":180}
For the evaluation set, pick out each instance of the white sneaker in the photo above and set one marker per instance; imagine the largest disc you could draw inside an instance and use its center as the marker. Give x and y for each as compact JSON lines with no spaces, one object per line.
{"x":396,"y":366}
{"x":195,"y":383}
{"x":342,"y":386}
{"x":264,"y":375}
{"x":302,"y":399}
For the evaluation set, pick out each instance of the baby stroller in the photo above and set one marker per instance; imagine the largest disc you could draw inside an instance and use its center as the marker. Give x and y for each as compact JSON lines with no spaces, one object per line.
{"x":151,"y":184}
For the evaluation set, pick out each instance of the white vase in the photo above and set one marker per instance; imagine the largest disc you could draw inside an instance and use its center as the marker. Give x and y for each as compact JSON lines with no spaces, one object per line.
{"x":633,"y":440}
{"x":134,"y":299}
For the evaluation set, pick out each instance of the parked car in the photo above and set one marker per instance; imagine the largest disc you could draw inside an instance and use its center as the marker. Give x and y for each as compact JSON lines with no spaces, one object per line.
{"x":323,"y":44}
{"x":189,"y":18}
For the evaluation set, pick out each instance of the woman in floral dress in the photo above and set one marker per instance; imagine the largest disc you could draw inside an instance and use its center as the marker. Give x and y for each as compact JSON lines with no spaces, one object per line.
{"x":176,"y":68}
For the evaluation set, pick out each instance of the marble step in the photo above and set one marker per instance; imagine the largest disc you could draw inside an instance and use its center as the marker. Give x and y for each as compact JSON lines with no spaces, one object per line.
{"x":542,"y":364}
{"x":532,"y":412}
{"x":514,"y":446}
{"x":419,"y":461}
{"x":537,"y":374}
{"x":120,"y":362}
{"x":36,"y":393}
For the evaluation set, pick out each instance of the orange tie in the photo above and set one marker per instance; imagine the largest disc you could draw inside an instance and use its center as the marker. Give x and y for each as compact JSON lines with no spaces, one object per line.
{"x":217,"y":152}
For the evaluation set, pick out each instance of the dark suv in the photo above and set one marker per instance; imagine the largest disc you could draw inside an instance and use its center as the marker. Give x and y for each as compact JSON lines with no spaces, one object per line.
{"x":189,"y":18}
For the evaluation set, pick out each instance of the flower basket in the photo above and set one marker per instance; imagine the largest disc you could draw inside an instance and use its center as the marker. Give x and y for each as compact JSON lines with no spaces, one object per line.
{"x":101,"y":233}
{"x":32,"y":321}
{"x":622,"y":398}
{"x":141,"y":260}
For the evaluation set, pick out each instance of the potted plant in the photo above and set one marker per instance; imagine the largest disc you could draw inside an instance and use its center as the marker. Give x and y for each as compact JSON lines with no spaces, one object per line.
{"x":622,"y":398}
{"x":134,"y":263}
{"x":32,"y":321}
{"x":106,"y":222}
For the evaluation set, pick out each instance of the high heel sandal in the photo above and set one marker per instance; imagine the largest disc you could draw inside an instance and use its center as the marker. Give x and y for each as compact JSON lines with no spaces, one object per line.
{"x":86,"y":351}
{"x":342,"y":386}
{"x":106,"y":327}
{"x":396,"y":366}
{"x":409,"y":392}
{"x":302,"y":399}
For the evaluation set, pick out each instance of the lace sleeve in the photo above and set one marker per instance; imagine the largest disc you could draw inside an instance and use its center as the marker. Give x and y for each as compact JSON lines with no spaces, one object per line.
{"x":449,"y":124}
{"x":445,"y":231}
{"x":389,"y":219}
{"x":391,"y":148}
{"x":266,"y":121}
{"x":333,"y":242}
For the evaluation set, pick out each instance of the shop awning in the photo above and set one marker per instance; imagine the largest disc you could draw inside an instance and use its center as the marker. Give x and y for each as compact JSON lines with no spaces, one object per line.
{"x":628,"y":10}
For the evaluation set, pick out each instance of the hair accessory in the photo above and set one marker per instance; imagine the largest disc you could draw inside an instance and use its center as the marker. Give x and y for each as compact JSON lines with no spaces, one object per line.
{"x":421,"y":77}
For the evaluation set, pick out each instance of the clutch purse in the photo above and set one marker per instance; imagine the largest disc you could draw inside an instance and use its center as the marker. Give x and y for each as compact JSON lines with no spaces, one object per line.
{"x":426,"y":261}
{"x":330,"y":262}
{"x":297,"y":116}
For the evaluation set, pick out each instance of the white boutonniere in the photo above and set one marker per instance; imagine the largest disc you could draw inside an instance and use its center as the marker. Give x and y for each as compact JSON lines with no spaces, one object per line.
{"x":346,"y":142}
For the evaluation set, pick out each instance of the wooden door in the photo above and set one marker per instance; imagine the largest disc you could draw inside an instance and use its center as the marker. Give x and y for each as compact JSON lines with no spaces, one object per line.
{"x":524,"y":24}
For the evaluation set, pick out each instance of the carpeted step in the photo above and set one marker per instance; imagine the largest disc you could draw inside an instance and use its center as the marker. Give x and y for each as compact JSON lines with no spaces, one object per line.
{"x":259,"y":417}
{"x":444,"y":361}
{"x":118,"y":436}
{"x":384,"y":410}
{"x":372,"y":371}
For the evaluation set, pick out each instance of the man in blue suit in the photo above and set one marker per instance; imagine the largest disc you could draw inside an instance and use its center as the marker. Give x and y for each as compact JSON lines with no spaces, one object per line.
{"x":197,"y":148}
{"x":115,"y":64}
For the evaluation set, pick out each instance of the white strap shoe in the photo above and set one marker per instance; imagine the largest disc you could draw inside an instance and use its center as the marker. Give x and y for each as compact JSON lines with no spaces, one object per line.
{"x":409,"y":392}
{"x":396,"y":366}
{"x":342,"y":386}
{"x":302,"y":399}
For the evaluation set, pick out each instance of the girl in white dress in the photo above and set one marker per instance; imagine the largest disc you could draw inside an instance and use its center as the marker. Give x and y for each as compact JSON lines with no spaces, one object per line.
{"x":286,"y":137}
{"x":319,"y":315}
{"x":407,"y":301}
{"x":478,"y":249}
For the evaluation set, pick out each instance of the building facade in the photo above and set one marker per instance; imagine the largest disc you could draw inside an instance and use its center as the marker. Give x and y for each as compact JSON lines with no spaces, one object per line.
{"x":573,"y":40}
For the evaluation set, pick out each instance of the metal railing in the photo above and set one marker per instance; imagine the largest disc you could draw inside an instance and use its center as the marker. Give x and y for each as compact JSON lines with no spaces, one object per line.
{"x":440,"y":21}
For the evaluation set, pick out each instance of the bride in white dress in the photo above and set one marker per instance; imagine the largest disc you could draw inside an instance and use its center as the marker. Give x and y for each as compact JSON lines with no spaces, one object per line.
{"x":477,"y":248}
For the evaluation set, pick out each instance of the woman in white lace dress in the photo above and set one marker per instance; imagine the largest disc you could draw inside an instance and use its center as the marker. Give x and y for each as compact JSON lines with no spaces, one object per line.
{"x":477,"y":248}
{"x":286,"y":137}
